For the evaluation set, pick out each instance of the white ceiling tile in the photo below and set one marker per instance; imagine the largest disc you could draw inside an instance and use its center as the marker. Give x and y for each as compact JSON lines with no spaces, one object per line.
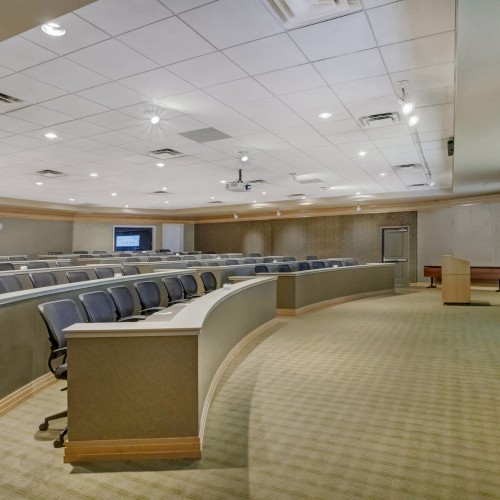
{"x":16,"y":126}
{"x":268,"y":54}
{"x":27,"y":89}
{"x":112,"y":59}
{"x":426,"y":51}
{"x":370,"y":4}
{"x":116,"y":17}
{"x":18,"y":53}
{"x":351,"y":66}
{"x":336,"y":37}
{"x":367,"y":88}
{"x":74,"y":106}
{"x":78,"y":128}
{"x":262,"y":107}
{"x":157,"y":83}
{"x":113,"y":95}
{"x":160,"y":41}
{"x":278,"y":122}
{"x":145,"y":110}
{"x":435,"y":118}
{"x":218,"y":116}
{"x":244,"y":90}
{"x":191,"y":102}
{"x":79,"y":34}
{"x":289,"y":80}
{"x":347,"y":137}
{"x":441,"y":75}
{"x":40,"y":115}
{"x":313,"y":98}
{"x":178,"y":6}
{"x":410,"y":19}
{"x":337,"y":127}
{"x":241,"y":128}
{"x":4,"y":71}
{"x":226,"y":23}
{"x":373,"y":106}
{"x":112,"y":120}
{"x":208,"y":70}
{"x":312,"y":115}
{"x":180,"y":124}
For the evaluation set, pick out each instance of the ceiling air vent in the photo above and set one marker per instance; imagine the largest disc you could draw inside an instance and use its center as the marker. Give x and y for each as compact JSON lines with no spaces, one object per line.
{"x":295,"y":13}
{"x":297,"y":195}
{"x":215,"y":202}
{"x":418,"y":185}
{"x":161,"y":192}
{"x":50,"y":173}
{"x":166,"y":151}
{"x":205,"y":135}
{"x":8,"y":98}
{"x":10,"y":103}
{"x":305,"y":179}
{"x":408,"y":165}
{"x":380,"y":120}
{"x":257,"y":181}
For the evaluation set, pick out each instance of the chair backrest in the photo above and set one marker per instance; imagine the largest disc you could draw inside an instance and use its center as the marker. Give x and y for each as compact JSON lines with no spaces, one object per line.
{"x":289,"y":258}
{"x":99,"y":252}
{"x":209,"y":281}
{"x":124,"y":255}
{"x":284,"y":268}
{"x":174,"y":257}
{"x":130,"y":270}
{"x":132,"y":259}
{"x":36,"y":264}
{"x":318,"y":264}
{"x":311,"y":257}
{"x":231,"y":262}
{"x":63,"y":263}
{"x":42,"y":279}
{"x":189,"y":284}
{"x":259,"y":268}
{"x":304,"y":266}
{"x":255,"y":255}
{"x":149,"y":294}
{"x":104,"y":272}
{"x":10,"y":283}
{"x":80,"y":252}
{"x":165,"y":250}
{"x":6,"y":266}
{"x":99,"y":306}
{"x":174,"y":288}
{"x":249,"y":260}
{"x":76,"y":276}
{"x":54,"y":253}
{"x":154,"y":259}
{"x":17,"y":258}
{"x":123,"y":299}
{"x":58,"y":315}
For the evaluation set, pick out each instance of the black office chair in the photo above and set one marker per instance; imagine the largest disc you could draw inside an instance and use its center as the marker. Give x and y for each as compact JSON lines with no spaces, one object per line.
{"x":284,"y":268}
{"x":190,"y":286}
{"x":35,"y":264}
{"x":124,"y":255}
{"x":130,"y":270}
{"x":104,"y":272}
{"x":77,"y":276}
{"x":231,"y":262}
{"x":149,"y":296}
{"x":174,"y":257}
{"x":81,"y":252}
{"x":124,"y":303}
{"x":289,"y":258}
{"x":209,"y":281}
{"x":260,"y":268}
{"x":43,"y":279}
{"x":304,"y":266}
{"x":54,"y":253}
{"x":165,"y":250}
{"x":311,"y":257}
{"x":6,"y":266}
{"x":154,"y":259}
{"x":249,"y":260}
{"x":17,"y":258}
{"x":318,"y":264}
{"x":336,"y":263}
{"x":175,"y":290}
{"x":255,"y":255}
{"x":99,"y":306}
{"x":132,"y":259}
{"x":57,"y":316}
{"x":10,"y":283}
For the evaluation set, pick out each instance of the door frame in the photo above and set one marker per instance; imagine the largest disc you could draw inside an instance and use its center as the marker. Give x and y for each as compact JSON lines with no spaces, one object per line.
{"x":406,"y":230}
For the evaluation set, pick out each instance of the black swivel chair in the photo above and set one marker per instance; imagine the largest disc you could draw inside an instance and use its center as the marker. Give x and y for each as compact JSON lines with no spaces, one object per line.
{"x":77,"y":276}
{"x":57,"y":316}
{"x":190,"y":286}
{"x":175,"y":290}
{"x":209,"y":281}
{"x":260,"y":268}
{"x":132,"y":259}
{"x":304,"y":266}
{"x":250,"y":260}
{"x":10,"y":283}
{"x":43,"y":279}
{"x":17,"y":258}
{"x":130,"y":270}
{"x":154,"y":259}
{"x":6,"y":266}
{"x":311,"y":257}
{"x":104,"y":272}
{"x":231,"y":262}
{"x":255,"y":255}
{"x":124,"y":303}
{"x":318,"y":264}
{"x":284,"y":268}
{"x":35,"y":264}
{"x":99,"y":307}
{"x":54,"y":253}
{"x":149,"y":296}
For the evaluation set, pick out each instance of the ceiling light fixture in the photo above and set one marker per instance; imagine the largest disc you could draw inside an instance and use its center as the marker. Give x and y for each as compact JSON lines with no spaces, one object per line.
{"x":278,"y":213}
{"x":358,"y":208}
{"x":413,"y":120}
{"x":39,"y":183}
{"x":53,"y":29}
{"x":126,"y":206}
{"x":407,"y":105}
{"x":93,"y":174}
{"x":222,"y":182}
{"x":263,"y":192}
{"x":362,"y":153}
{"x":325,"y":115}
{"x":244,"y":156}
{"x":114,"y":194}
{"x":160,"y":165}
{"x":71,"y":199}
{"x":254,"y":201}
{"x":166,"y":201}
{"x":51,"y":135}
{"x":155,"y":119}
{"x":164,"y":188}
{"x":358,"y":193}
{"x":235,"y":216}
{"x":382,"y":174}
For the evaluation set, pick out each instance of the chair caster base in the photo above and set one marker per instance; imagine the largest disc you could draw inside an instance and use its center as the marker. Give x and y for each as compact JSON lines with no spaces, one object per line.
{"x":59,"y":443}
{"x":43,"y":426}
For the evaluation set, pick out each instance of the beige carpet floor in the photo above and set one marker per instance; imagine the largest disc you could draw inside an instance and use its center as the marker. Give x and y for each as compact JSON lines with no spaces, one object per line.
{"x":396,"y":397}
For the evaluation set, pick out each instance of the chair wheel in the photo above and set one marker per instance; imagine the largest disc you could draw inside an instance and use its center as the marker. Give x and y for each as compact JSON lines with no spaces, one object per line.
{"x":43,"y":426}
{"x":59,"y":443}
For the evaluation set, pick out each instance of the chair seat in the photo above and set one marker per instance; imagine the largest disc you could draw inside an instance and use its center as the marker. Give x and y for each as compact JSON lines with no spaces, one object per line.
{"x":61,"y":372}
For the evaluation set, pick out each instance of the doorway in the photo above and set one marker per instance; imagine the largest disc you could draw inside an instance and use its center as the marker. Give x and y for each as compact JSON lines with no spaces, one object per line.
{"x":396,"y":250}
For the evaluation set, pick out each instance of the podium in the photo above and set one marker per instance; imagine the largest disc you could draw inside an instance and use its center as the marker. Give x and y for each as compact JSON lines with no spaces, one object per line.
{"x":455,"y":285}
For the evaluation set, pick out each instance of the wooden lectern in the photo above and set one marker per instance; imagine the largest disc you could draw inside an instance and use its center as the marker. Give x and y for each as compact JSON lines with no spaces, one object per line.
{"x":455,"y":285}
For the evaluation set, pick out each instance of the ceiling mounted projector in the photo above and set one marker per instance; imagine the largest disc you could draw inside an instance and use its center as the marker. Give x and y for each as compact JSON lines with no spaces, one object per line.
{"x":238,"y":186}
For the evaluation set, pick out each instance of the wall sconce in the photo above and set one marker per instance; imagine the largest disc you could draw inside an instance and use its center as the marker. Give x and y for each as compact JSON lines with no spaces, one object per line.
{"x":235,"y":216}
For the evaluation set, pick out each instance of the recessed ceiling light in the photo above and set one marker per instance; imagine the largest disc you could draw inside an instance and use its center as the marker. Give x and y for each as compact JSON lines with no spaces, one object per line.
{"x":51,"y":135}
{"x":164,"y":188}
{"x":212,"y":197}
{"x":160,"y":165}
{"x":254,"y":201}
{"x":263,"y":192}
{"x":114,"y":194}
{"x":325,"y":115}
{"x":382,"y":174}
{"x":126,"y":206}
{"x":331,"y":188}
{"x":432,"y":183}
{"x":408,"y":107}
{"x":155,"y":120}
{"x":362,"y":153}
{"x":53,"y":29}
{"x":358,"y":193}
{"x":39,"y":183}
{"x":71,"y":199}
{"x":303,"y":197}
{"x":222,"y":182}
{"x":93,"y":174}
{"x":166,"y":201}
{"x":413,"y":120}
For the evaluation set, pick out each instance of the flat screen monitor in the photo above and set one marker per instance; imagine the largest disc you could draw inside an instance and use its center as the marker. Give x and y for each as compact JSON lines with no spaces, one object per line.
{"x":132,"y":238}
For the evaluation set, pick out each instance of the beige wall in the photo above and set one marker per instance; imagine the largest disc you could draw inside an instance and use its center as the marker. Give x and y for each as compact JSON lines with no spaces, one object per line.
{"x":356,"y":236}
{"x":34,"y":237}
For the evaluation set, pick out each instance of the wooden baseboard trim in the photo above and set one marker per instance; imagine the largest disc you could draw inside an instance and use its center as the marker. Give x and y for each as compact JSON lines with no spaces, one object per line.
{"x":218,"y":374}
{"x":25,"y":392}
{"x":131,"y":449}
{"x":332,"y":302}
